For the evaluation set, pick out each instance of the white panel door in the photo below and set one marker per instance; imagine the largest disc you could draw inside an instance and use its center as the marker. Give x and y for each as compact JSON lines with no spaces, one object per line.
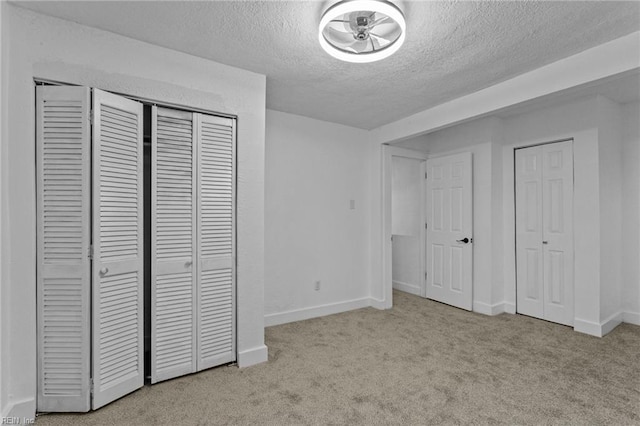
{"x":117,"y":275}
{"x":529,"y":256}
{"x":216,"y":342}
{"x":557,"y":243}
{"x":450,"y":230}
{"x":63,"y":236}
{"x":173,"y":236}
{"x":544,"y":232}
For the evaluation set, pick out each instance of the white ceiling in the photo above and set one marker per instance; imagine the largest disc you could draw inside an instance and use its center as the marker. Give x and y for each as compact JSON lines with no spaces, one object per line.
{"x":452,"y":48}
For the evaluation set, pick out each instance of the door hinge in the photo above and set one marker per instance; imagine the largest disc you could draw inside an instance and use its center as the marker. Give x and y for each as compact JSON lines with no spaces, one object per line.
{"x":426,"y":226}
{"x":91,"y":386}
{"x":91,"y":117}
{"x":91,"y":252}
{"x":425,"y":175}
{"x":425,"y":275}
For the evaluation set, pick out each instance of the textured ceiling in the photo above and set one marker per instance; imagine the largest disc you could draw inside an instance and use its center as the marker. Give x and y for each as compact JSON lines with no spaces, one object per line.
{"x":452,"y":48}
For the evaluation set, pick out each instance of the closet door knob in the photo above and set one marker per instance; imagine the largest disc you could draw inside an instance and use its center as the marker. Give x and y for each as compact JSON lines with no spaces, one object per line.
{"x":104,"y":271}
{"x":545,"y":242}
{"x":188,"y":263}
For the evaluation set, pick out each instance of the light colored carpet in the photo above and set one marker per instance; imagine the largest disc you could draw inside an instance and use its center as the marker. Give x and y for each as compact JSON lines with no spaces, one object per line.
{"x":420,"y":363}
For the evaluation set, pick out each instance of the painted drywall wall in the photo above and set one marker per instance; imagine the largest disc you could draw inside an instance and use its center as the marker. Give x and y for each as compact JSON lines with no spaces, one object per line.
{"x":406,"y":223}
{"x":630,"y":273}
{"x":405,"y":196}
{"x":497,"y":224}
{"x":49,"y":48}
{"x":610,"y":161}
{"x":405,"y":264}
{"x":4,"y":350}
{"x":314,"y":171}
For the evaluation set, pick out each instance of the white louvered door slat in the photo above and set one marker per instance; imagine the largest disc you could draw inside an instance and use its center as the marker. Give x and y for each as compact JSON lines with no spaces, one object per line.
{"x":118,"y":266}
{"x":216,"y":342}
{"x":173,"y":291}
{"x":63,"y":236}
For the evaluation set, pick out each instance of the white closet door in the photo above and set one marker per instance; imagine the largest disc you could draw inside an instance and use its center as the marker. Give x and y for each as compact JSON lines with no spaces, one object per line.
{"x":117,"y":317}
{"x":216,"y":241}
{"x":529,"y":258}
{"x":544,"y":232}
{"x":63,"y":270}
{"x":557,"y":165}
{"x":173,"y":283}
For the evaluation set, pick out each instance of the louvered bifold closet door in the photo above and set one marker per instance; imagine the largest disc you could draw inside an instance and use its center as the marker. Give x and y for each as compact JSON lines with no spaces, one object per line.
{"x":63,"y":239}
{"x":216,"y":241}
{"x":173,"y":291}
{"x":117,"y":275}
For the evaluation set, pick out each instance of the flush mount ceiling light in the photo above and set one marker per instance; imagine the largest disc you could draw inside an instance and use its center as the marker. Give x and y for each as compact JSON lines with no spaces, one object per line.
{"x":362,"y":30}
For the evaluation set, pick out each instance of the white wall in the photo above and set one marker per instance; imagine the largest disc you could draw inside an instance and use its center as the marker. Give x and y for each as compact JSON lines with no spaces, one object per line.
{"x":4,"y":350}
{"x":630,"y":274}
{"x":313,"y":171}
{"x":407,"y":223}
{"x":405,"y":196}
{"x":58,"y":50}
{"x":610,"y":160}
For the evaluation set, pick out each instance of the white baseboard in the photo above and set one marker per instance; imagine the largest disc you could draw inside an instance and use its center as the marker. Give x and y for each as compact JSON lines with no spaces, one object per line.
{"x":509,"y":308}
{"x":253,"y":356}
{"x":407,"y":288}
{"x":610,"y":323}
{"x":24,"y":411}
{"x":380,"y":304}
{"x":631,"y":317}
{"x":316,"y":311}
{"x":487,"y":309}
{"x":587,"y":327}
{"x":598,"y":329}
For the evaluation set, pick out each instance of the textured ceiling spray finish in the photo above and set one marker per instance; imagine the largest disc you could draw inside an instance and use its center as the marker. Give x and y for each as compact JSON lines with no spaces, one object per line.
{"x":452,"y":48}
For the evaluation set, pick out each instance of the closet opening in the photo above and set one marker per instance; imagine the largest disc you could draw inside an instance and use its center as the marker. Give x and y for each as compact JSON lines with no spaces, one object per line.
{"x":136,"y":242}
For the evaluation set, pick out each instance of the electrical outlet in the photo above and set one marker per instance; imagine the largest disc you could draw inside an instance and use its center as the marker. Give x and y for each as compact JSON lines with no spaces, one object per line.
{"x":317,"y":285}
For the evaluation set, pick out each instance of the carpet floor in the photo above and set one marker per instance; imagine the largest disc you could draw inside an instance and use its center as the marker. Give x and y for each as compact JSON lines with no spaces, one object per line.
{"x":419,"y":363}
